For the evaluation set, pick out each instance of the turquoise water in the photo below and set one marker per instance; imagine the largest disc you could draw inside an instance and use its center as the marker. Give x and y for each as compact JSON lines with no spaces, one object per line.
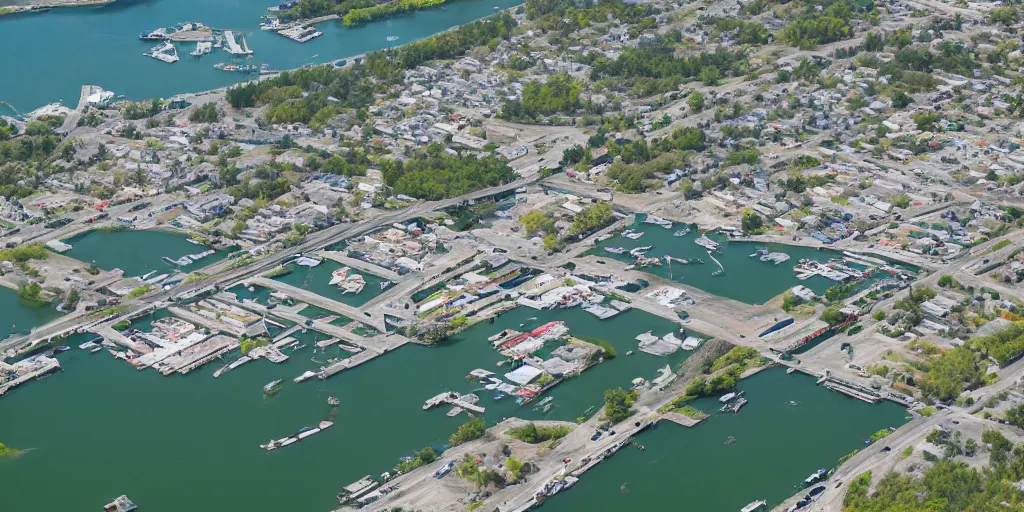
{"x":137,"y":252}
{"x":102,"y":428}
{"x":777,"y":446}
{"x":63,"y":49}
{"x":20,"y":317}
{"x":317,"y":280}
{"x":745,"y":279}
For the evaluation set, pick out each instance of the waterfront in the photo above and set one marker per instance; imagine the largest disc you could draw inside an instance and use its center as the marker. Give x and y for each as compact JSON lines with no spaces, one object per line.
{"x":746,"y":279}
{"x":777,"y":446}
{"x":144,"y":251}
{"x":198,"y":436}
{"x":318,"y":280}
{"x":100,"y":46}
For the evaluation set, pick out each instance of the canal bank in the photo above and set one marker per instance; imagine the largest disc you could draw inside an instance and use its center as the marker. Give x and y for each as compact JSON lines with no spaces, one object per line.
{"x":19,"y":316}
{"x":100,"y":46}
{"x":138,"y":252}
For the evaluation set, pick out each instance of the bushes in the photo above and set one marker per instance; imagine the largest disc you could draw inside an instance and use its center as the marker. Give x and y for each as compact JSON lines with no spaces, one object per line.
{"x":560,"y":94}
{"x":383,"y":10}
{"x":421,"y":458}
{"x":474,"y":429}
{"x":247,"y":344}
{"x":951,"y":373}
{"x":435,"y":175}
{"x":617,"y":403}
{"x":1004,"y":346}
{"x":591,"y":219}
{"x":531,"y":433}
{"x":738,"y":355}
{"x":24,"y":253}
{"x":205,"y":113}
{"x":742,"y":156}
{"x":609,"y":350}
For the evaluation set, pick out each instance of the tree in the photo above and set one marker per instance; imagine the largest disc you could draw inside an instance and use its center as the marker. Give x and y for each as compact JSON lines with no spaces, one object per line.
{"x":30,"y":291}
{"x":751,"y":222}
{"x":458,"y":322}
{"x":617,"y":403}
{"x":514,"y":466}
{"x":695,"y":101}
{"x":833,"y":316}
{"x":901,"y":100}
{"x":473,"y":429}
{"x":710,"y":75}
{"x":536,"y":221}
{"x":238,"y":228}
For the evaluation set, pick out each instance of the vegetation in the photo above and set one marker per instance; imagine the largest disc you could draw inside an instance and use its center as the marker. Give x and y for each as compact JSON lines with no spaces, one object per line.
{"x":751,"y":222}
{"x":436,"y":175}
{"x":833,"y":316}
{"x":559,"y":94}
{"x":618,"y":403}
{"x":951,"y":373}
{"x":514,"y":466}
{"x":531,"y":433}
{"x":247,"y":344}
{"x":8,"y":452}
{"x":948,"y":485}
{"x":655,"y":69}
{"x":24,"y":253}
{"x":474,"y":429}
{"x":814,"y":27}
{"x":420,"y":458}
{"x":1004,"y":346}
{"x":947,"y":281}
{"x":470,"y":470}
{"x":205,"y":113}
{"x":741,"y":356}
{"x":609,"y":350}
{"x":387,"y":9}
{"x":140,"y":291}
{"x":31,"y":292}
{"x":721,"y":383}
{"x":591,"y":219}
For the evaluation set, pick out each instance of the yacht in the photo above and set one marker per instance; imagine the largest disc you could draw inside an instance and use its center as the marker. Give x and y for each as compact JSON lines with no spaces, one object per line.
{"x":615,"y":250}
{"x":817,"y":476}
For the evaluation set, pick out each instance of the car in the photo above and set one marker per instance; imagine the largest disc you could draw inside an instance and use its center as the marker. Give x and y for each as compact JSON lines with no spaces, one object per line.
{"x":596,"y":436}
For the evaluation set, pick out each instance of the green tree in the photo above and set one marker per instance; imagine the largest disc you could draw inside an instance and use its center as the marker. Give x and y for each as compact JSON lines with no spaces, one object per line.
{"x":751,"y":222}
{"x":833,"y":316}
{"x":695,"y":101}
{"x":618,"y":403}
{"x":514,"y":466}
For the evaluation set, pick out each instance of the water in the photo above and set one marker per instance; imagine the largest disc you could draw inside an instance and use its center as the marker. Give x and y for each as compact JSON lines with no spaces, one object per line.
{"x":198,"y":437}
{"x":318,"y":280}
{"x":777,"y":446}
{"x":60,"y":50}
{"x":746,"y":279}
{"x":19,"y":317}
{"x":138,"y":252}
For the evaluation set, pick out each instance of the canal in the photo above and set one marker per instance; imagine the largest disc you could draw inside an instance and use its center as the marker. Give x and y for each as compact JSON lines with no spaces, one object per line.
{"x":92,"y":427}
{"x":137,"y":252}
{"x":61,"y":50}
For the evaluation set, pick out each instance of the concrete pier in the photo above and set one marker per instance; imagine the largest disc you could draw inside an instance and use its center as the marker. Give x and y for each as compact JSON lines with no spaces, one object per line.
{"x":299,"y":294}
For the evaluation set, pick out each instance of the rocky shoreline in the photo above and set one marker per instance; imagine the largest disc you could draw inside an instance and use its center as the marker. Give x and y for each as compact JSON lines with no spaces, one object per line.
{"x":50,"y":4}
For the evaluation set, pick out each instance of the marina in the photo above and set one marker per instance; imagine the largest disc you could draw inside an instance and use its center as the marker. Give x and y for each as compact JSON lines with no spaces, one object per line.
{"x":149,"y":248}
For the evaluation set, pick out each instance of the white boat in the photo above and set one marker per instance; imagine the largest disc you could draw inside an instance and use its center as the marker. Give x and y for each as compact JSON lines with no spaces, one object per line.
{"x":615,"y":250}
{"x":754,"y":505}
{"x":682,"y":232}
{"x":392,"y":38}
{"x":632,"y":235}
{"x":271,"y":24}
{"x":653,"y":219}
{"x":348,"y":281}
{"x":165,"y":53}
{"x":727,"y":397}
{"x":202,"y":48}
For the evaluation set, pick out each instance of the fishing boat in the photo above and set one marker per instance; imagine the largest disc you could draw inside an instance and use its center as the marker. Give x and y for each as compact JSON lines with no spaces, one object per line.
{"x":754,"y":505}
{"x":615,"y":250}
{"x":272,"y":387}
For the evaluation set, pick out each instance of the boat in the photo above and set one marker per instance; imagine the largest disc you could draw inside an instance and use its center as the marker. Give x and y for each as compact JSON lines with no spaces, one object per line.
{"x":499,"y":396}
{"x":730,"y":440}
{"x":454,"y":412}
{"x":89,"y":345}
{"x":682,"y":232}
{"x":349,"y":281}
{"x":444,"y":470}
{"x":62,"y":348}
{"x":726,"y":398}
{"x":754,"y":505}
{"x":202,"y":48}
{"x":272,"y":23}
{"x":816,"y":477}
{"x":548,"y":407}
{"x":759,"y":251}
{"x":615,"y":250}
{"x":95,"y":349}
{"x":333,"y":401}
{"x":121,"y":504}
{"x":546,"y":400}
{"x":632,"y":235}
{"x":392,"y":38}
{"x":654,"y":219}
{"x":164,"y":53}
{"x":639,"y":251}
{"x":734,"y":407}
{"x":272,"y":387}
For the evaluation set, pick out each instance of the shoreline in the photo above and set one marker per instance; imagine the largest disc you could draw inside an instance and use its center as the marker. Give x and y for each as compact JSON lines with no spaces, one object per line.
{"x":51,"y":4}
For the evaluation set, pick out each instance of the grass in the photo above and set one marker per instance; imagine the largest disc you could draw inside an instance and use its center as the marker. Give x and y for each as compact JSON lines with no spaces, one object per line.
{"x":928,"y":411}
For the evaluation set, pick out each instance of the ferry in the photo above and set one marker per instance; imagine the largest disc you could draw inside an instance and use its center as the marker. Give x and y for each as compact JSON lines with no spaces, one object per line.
{"x":754,"y":505}
{"x":444,"y":470}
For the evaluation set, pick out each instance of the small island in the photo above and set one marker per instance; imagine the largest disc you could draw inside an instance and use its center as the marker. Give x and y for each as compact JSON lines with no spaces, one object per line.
{"x":40,"y":5}
{"x":6,"y":452}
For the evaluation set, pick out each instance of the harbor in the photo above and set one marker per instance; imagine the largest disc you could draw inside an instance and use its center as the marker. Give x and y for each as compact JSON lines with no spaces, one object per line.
{"x":91,"y":56}
{"x":149,"y":250}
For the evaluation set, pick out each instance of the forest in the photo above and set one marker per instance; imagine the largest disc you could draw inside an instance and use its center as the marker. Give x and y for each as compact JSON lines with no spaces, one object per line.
{"x":437,"y":175}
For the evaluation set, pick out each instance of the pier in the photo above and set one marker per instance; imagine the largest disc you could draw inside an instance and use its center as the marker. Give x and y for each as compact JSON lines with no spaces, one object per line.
{"x":451,"y":398}
{"x":232,"y":46}
{"x":374,"y":320}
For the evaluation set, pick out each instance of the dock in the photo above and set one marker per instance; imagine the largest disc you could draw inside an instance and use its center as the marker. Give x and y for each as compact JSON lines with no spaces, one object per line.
{"x":851,"y":390}
{"x":451,"y":398}
{"x":681,"y":419}
{"x":232,"y":46}
{"x":296,"y":437}
{"x":42,"y":366}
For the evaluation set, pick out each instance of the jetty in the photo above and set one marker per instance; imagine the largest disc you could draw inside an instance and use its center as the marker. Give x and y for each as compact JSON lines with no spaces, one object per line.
{"x":451,"y":398}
